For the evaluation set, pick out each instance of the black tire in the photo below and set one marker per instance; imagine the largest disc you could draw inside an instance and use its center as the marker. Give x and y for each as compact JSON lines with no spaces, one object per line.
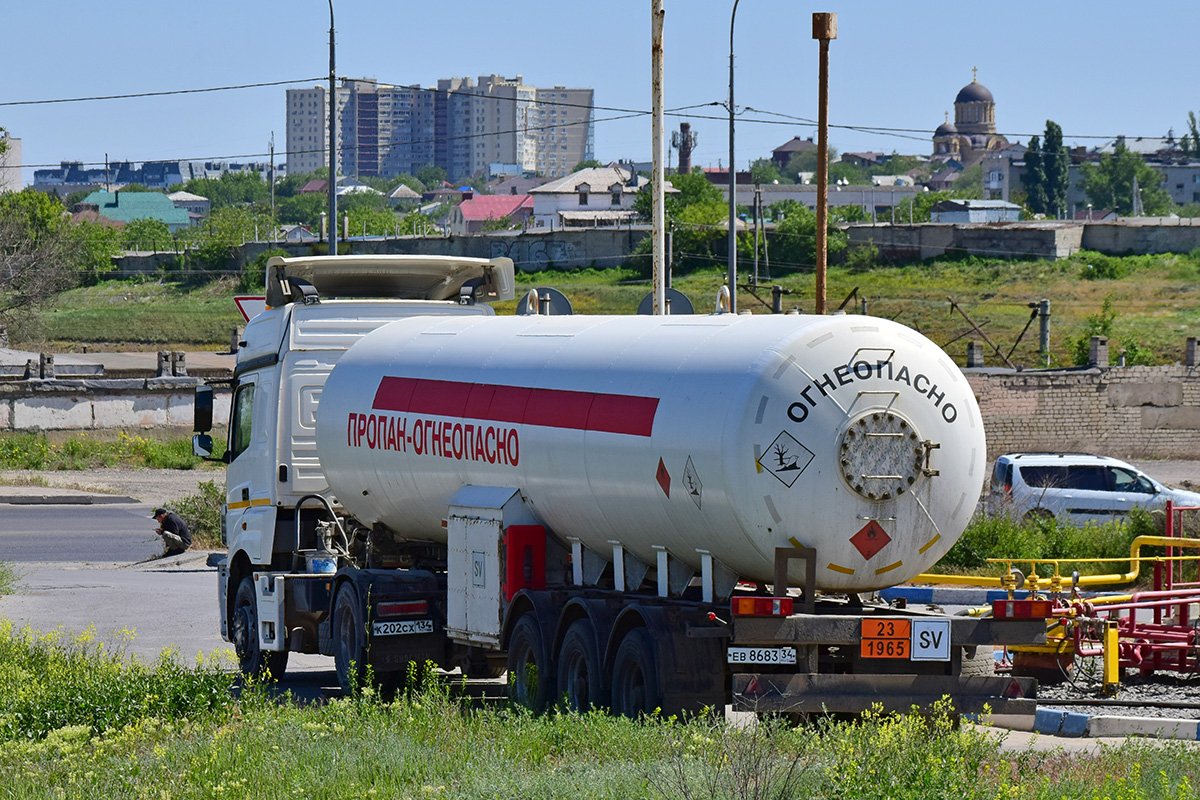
{"x":635,"y":676}
{"x":349,"y":639}
{"x":1037,"y":514}
{"x":243,"y":628}
{"x":580,"y":677}
{"x":978,"y":661}
{"x":530,"y":674}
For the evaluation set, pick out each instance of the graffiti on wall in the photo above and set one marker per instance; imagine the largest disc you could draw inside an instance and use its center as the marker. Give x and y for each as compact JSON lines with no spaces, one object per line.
{"x":537,"y":255}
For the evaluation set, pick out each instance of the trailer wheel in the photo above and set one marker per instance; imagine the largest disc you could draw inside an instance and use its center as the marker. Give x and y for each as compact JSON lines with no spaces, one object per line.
{"x":530,"y":675}
{"x":349,"y":639}
{"x":253,"y":660}
{"x":579,"y":677}
{"x":635,"y":676}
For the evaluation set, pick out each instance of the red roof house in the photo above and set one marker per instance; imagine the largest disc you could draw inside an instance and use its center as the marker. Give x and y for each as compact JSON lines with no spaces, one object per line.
{"x":472,"y":214}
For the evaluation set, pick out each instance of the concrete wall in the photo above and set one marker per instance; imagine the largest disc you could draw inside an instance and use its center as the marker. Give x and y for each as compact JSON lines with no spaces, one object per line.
{"x":532,"y":251}
{"x":1000,"y":240}
{"x":1127,"y":412}
{"x":119,"y":404}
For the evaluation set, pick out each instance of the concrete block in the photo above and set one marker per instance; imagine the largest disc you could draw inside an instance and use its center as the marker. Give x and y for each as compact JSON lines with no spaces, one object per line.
{"x":5,"y":415}
{"x":1186,"y":418}
{"x":1074,"y":724}
{"x":1048,"y":721}
{"x":1144,"y":726}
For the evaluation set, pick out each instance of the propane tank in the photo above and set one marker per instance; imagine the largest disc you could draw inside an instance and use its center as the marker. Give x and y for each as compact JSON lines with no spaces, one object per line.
{"x":731,"y":435}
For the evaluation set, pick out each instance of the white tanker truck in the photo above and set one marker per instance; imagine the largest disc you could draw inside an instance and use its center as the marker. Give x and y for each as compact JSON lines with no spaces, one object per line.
{"x":670,"y":512}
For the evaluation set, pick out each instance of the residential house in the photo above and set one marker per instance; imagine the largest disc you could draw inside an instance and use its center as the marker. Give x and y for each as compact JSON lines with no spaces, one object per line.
{"x":197,"y":207}
{"x":782,"y":154}
{"x":963,"y":211}
{"x":594,"y":197}
{"x":472,"y":214}
{"x":128,"y":206}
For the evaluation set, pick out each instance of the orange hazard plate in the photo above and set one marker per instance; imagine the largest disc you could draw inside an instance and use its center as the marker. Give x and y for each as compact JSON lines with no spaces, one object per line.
{"x":886,"y":638}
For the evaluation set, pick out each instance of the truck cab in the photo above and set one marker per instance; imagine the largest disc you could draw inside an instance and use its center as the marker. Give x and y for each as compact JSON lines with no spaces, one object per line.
{"x":317,"y":308}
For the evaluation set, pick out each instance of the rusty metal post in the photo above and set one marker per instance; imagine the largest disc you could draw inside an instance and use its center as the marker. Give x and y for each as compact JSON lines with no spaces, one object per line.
{"x":658,"y":234}
{"x":824,"y":26}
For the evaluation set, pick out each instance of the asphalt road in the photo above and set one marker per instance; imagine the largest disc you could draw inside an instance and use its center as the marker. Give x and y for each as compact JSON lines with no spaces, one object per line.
{"x":77,"y":533}
{"x":95,"y":567}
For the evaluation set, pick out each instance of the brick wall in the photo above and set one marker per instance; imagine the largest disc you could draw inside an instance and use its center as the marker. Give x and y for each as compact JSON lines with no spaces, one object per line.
{"x":1125,"y":412}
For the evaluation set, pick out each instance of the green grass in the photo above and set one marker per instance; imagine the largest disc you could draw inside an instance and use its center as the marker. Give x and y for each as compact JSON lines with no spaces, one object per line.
{"x":1156,"y":299}
{"x":77,"y":720}
{"x":83,"y":451}
{"x":8,"y":578}
{"x":202,"y":513}
{"x":1003,"y":537}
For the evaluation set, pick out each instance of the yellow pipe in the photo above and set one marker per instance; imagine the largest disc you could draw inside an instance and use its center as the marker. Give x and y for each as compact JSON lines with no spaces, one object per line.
{"x":1135,"y":559}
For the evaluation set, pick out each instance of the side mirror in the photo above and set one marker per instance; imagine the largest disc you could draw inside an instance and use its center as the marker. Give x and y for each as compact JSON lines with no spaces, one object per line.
{"x":203,"y":411}
{"x":202,"y":445}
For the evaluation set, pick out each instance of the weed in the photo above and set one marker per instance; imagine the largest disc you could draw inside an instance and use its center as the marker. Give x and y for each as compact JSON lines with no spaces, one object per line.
{"x":83,"y":451}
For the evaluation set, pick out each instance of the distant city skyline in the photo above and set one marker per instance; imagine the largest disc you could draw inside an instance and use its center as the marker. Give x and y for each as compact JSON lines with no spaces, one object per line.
{"x":1099,"y":69}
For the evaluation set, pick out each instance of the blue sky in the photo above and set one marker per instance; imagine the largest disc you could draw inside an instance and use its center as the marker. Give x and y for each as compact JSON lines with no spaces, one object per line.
{"x":1099,"y":69}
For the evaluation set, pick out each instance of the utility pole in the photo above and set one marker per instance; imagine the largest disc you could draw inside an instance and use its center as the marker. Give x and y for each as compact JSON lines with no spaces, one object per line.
{"x":332,"y":141}
{"x":271,"y":173}
{"x":658,"y":234}
{"x":824,"y":29}
{"x":732,"y":179}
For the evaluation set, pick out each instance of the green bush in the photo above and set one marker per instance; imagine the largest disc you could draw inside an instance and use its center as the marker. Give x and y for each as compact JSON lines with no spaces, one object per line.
{"x":202,"y":513}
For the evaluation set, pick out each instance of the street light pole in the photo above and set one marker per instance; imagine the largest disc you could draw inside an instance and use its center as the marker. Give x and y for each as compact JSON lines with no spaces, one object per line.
{"x":333,"y":218}
{"x":732,"y":179}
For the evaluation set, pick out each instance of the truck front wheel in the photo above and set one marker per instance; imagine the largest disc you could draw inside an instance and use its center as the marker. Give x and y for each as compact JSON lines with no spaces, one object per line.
{"x":252,"y":659}
{"x":349,"y":639}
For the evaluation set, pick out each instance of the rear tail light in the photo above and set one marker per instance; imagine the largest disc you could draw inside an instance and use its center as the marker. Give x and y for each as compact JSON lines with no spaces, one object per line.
{"x":1008,"y":492}
{"x":761,"y":606}
{"x":402,"y":608}
{"x":1022,"y":609}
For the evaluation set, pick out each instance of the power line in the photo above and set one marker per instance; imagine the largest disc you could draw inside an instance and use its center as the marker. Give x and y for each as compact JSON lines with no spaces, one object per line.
{"x":154,"y":94}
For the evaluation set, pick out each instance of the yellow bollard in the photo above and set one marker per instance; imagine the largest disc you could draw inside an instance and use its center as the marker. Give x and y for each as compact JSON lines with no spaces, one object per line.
{"x":1112,"y":658}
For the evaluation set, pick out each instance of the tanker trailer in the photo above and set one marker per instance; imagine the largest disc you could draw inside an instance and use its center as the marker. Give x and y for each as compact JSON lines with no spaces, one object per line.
{"x":604,"y":487}
{"x":622,"y":512}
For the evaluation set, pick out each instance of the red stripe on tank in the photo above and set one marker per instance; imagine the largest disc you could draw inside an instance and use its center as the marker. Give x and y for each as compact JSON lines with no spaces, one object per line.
{"x":519,"y":405}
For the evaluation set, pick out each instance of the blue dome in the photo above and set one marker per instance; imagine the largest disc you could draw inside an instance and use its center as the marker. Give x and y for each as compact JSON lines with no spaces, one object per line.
{"x":974,"y":92}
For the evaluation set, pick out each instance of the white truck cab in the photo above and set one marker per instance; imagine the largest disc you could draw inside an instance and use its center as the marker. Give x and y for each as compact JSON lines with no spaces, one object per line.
{"x":317,"y":307}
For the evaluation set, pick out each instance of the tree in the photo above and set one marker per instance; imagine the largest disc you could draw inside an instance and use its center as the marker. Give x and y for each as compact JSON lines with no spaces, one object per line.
{"x":917,"y":207}
{"x":795,"y":242}
{"x":215,"y":243}
{"x":1191,"y":140}
{"x":147,"y":234}
{"x":969,"y":183}
{"x":1034,"y":178}
{"x":1056,"y":166}
{"x":232,"y":189}
{"x":763,"y":170}
{"x":42,"y":253}
{"x":1109,"y":184}
{"x":371,"y":221}
{"x":303,"y":209}
{"x":590,"y":163}
{"x":431,"y":177}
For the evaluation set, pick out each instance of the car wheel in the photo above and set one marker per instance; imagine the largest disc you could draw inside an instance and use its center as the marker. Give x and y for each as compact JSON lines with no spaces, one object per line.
{"x":1037,"y":515}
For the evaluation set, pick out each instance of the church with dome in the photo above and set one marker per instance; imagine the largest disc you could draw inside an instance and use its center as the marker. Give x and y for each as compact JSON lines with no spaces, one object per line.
{"x":972,"y":135}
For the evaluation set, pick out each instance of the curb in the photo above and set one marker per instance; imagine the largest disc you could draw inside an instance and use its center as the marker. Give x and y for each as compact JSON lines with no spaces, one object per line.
{"x":1054,"y":722}
{"x":65,"y":499}
{"x":948,"y":595}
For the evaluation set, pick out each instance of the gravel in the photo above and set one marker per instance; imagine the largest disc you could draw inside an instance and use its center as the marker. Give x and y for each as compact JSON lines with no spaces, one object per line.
{"x":1136,"y":694}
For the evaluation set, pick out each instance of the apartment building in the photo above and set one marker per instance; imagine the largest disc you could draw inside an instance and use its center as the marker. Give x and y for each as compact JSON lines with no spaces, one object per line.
{"x":10,"y":163}
{"x":461,"y":125}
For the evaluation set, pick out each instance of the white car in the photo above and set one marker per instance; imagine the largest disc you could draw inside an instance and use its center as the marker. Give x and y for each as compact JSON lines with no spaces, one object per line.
{"x":1076,"y":488}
